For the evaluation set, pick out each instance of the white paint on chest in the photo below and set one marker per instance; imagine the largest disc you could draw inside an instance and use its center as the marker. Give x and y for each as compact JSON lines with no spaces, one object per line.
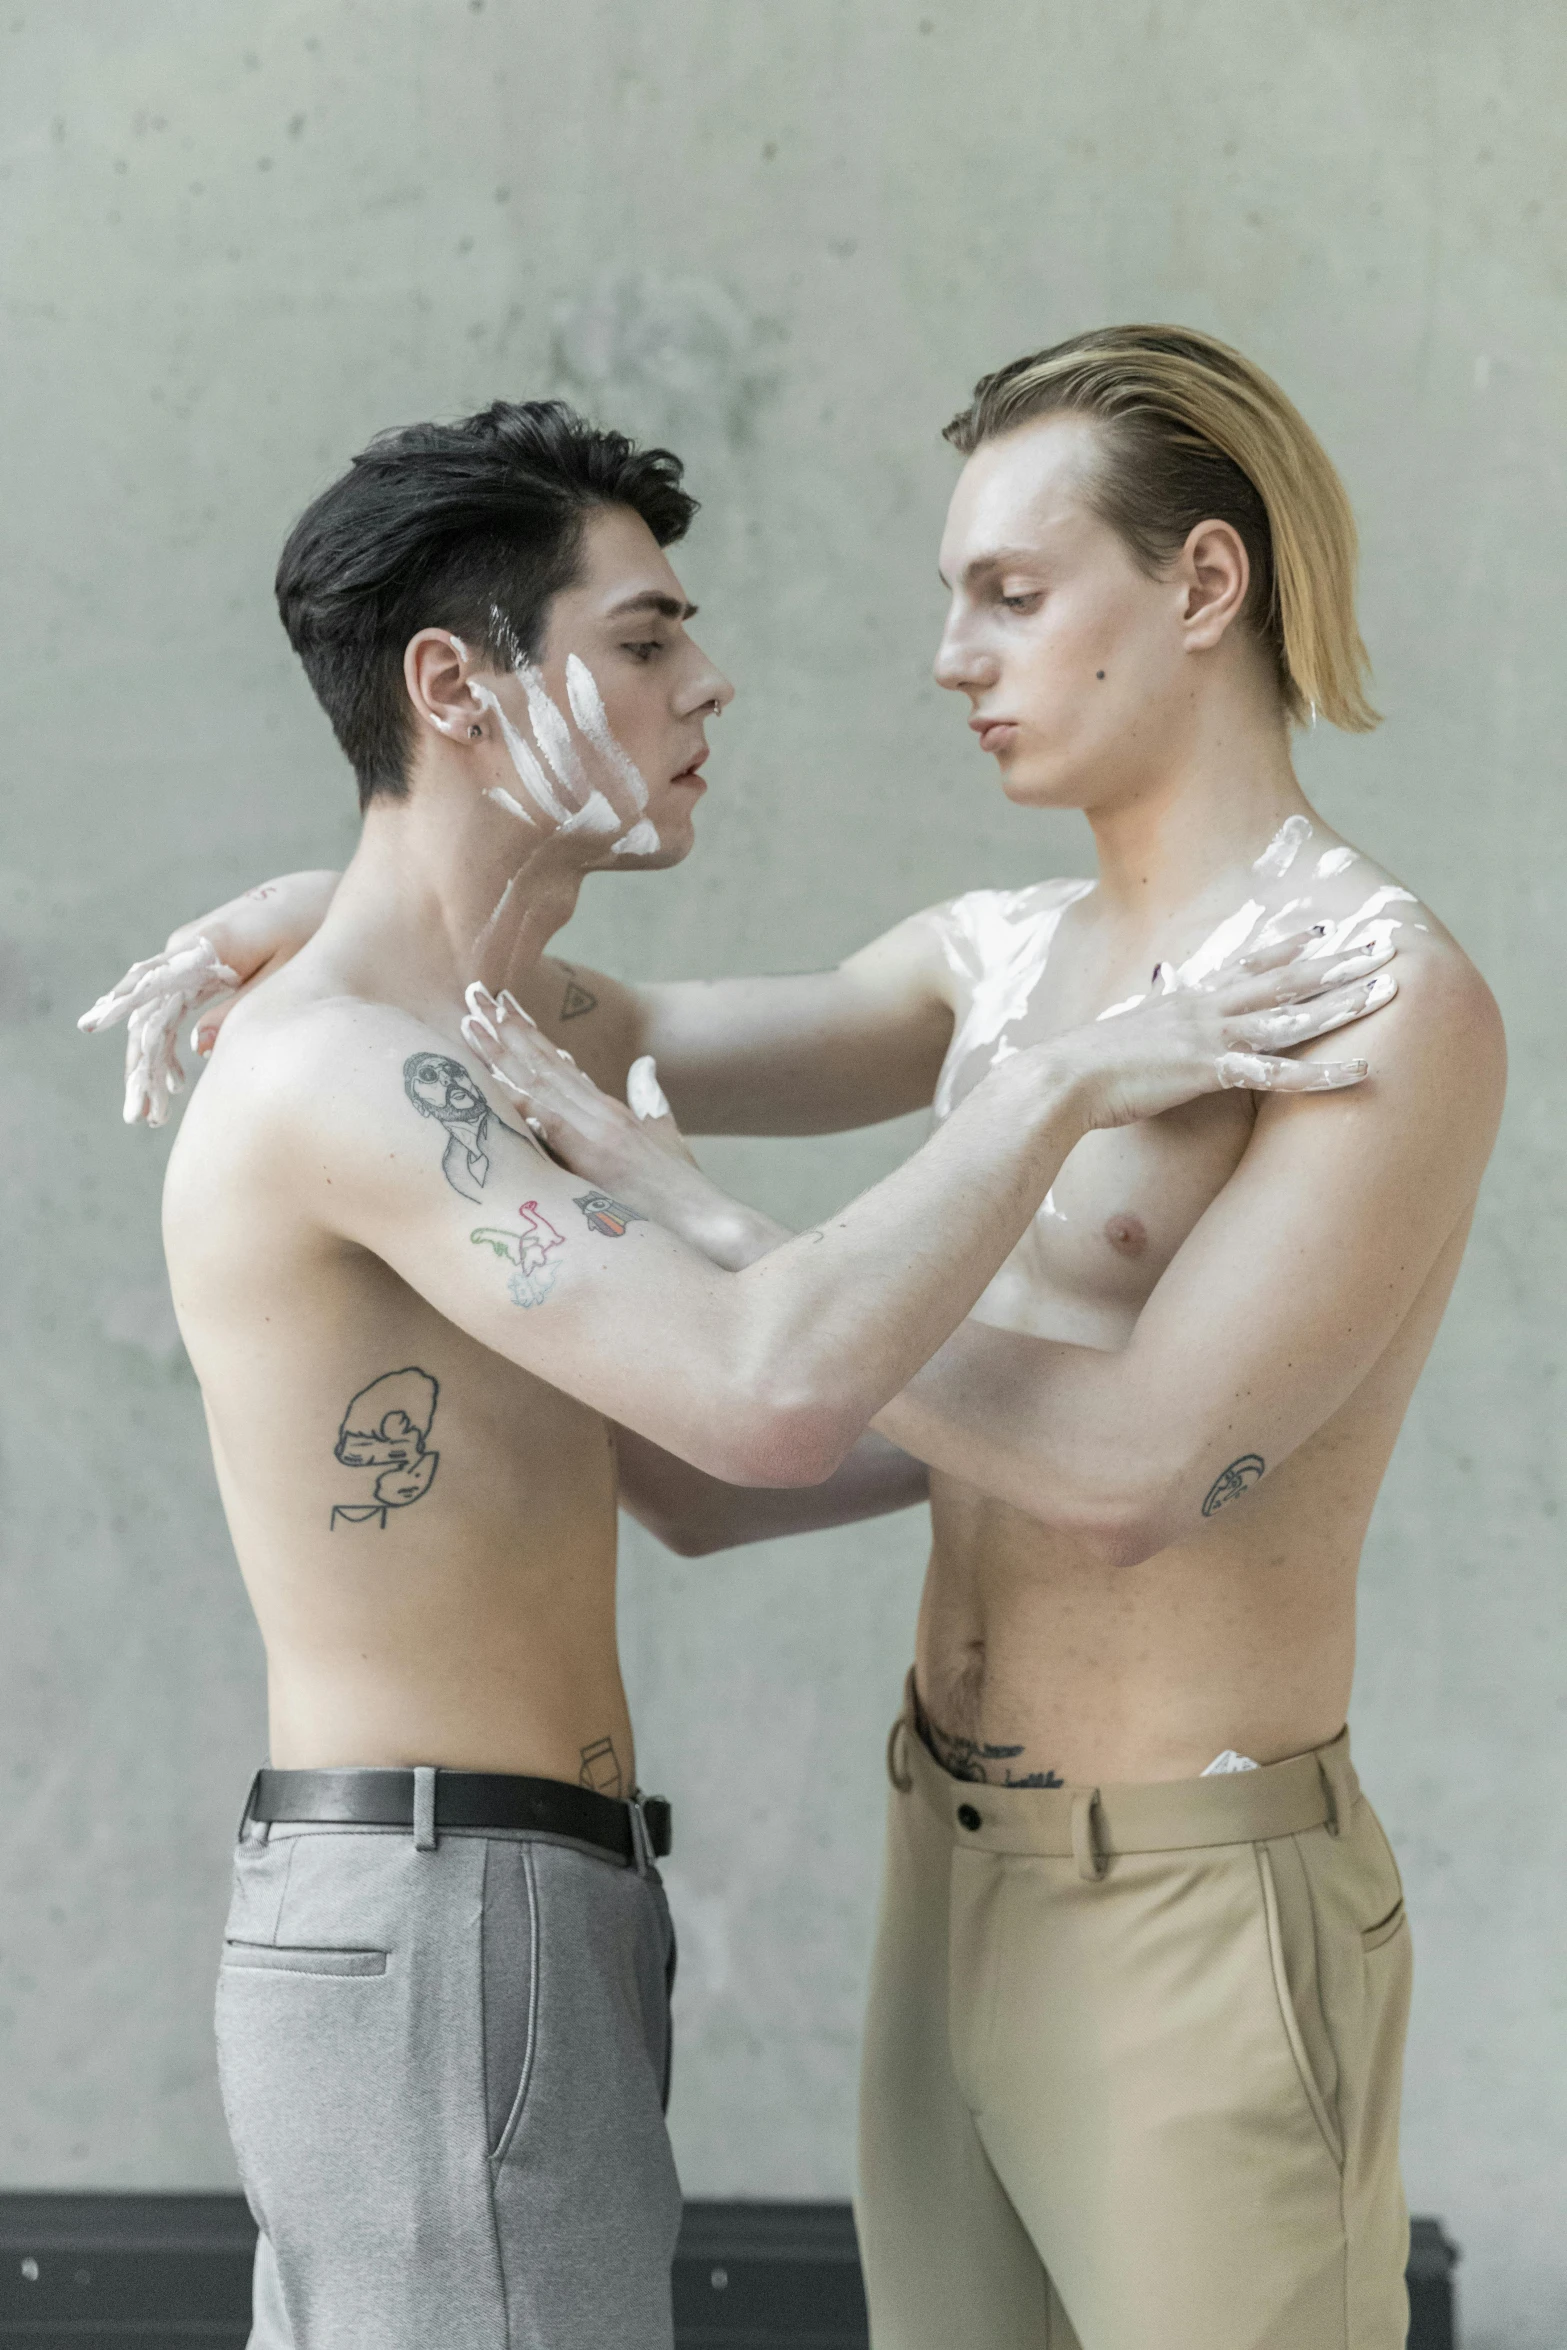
{"x":996,"y":942}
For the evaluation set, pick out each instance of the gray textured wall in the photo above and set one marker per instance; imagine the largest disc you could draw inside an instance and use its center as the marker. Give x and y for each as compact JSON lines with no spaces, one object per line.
{"x":234,"y":241}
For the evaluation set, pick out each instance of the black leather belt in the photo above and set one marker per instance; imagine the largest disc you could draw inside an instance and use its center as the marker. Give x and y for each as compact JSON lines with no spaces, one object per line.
{"x":463,"y":1799}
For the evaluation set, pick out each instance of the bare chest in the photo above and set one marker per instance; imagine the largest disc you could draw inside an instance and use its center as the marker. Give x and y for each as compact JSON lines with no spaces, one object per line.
{"x":1125,"y":1200}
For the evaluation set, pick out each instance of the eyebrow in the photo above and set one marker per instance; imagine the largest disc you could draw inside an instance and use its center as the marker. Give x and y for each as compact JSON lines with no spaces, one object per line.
{"x":984,"y":565}
{"x":650,"y":600}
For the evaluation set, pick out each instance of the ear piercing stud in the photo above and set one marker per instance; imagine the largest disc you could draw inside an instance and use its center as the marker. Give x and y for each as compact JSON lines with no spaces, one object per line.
{"x":474,"y":733}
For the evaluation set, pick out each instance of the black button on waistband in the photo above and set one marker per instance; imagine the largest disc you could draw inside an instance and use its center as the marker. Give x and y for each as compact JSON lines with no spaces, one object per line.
{"x":968,"y":1817}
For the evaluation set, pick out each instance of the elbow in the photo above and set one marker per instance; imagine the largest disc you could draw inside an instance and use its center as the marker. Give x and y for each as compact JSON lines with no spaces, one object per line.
{"x":1114,"y":1531}
{"x":777,"y":1440}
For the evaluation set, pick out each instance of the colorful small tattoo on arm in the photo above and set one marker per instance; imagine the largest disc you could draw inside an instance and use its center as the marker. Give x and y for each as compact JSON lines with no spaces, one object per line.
{"x":385,"y":1428}
{"x":606,"y":1215}
{"x":527,"y":1250}
{"x":601,"y":1768}
{"x":1232,"y":1482}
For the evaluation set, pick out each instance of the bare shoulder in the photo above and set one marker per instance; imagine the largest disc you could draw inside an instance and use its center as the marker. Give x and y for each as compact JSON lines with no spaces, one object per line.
{"x":309,"y":1093}
{"x":1438,"y":1052}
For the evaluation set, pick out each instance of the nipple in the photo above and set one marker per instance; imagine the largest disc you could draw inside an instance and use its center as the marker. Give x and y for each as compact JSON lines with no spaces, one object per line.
{"x":1127,"y":1234}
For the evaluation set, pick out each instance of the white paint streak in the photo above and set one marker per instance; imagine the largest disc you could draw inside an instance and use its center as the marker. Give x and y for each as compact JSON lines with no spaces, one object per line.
{"x":1333,"y":861}
{"x":996,"y":940}
{"x":1221,"y":944}
{"x":1128,"y":1003}
{"x":501,"y":903}
{"x":503,"y":799}
{"x":531,"y":775}
{"x":1283,"y":848}
{"x":641,"y":841}
{"x":552,"y":734}
{"x":587,"y":707}
{"x":644,"y":1094}
{"x":1337,"y":936}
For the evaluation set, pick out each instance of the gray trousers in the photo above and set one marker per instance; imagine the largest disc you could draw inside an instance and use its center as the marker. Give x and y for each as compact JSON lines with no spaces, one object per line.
{"x":445,"y":2072}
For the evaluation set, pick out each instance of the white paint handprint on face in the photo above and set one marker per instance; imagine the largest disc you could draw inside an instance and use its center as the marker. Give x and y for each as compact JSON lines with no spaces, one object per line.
{"x":557,"y":775}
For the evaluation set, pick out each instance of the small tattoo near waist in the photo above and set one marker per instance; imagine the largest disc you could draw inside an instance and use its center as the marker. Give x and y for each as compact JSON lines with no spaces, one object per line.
{"x":975,"y":1759}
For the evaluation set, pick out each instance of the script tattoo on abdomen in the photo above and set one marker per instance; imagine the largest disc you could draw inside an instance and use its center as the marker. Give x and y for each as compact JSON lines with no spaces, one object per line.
{"x":385,"y":1429}
{"x":969,"y":1758}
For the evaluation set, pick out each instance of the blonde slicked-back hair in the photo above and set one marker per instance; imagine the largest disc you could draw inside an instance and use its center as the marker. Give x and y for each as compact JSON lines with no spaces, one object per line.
{"x":1192,"y":432}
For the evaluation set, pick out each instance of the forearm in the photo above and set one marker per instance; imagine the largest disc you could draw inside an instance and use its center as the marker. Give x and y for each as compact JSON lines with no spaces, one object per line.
{"x":695,"y":1515}
{"x":1058,"y":1431}
{"x":844,"y":1316}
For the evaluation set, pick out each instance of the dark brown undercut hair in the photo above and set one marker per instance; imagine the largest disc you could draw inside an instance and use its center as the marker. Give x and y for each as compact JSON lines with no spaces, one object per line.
{"x":1190,"y":432}
{"x":476,"y":527}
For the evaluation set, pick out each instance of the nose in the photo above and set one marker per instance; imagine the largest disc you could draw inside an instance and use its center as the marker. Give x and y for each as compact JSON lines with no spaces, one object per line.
{"x":961,"y":665}
{"x":710,"y":691}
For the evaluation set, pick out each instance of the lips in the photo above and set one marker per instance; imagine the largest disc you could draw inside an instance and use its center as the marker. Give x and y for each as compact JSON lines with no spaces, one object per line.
{"x":690,"y":773}
{"x":995,"y":734}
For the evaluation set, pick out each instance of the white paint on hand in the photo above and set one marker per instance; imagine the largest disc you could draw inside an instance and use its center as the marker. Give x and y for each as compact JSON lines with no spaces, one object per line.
{"x":1255,"y":1073}
{"x":1283,"y":848}
{"x":1336,"y":939}
{"x":1128,"y":1003}
{"x":644,"y":1094}
{"x":155,"y":998}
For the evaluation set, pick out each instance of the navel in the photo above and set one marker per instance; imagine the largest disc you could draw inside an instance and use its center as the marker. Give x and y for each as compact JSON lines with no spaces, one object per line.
{"x":1126,"y":1234}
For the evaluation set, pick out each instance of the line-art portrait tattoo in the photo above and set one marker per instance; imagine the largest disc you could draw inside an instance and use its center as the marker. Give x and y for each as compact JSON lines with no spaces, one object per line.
{"x":441,"y":1088}
{"x":1233,"y":1481}
{"x":385,"y":1428}
{"x":601,"y":1768}
{"x":606,"y":1215}
{"x":528,"y":1250}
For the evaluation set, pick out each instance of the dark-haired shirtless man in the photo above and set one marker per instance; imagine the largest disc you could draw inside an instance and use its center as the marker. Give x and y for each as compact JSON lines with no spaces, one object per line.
{"x":443,"y":2020}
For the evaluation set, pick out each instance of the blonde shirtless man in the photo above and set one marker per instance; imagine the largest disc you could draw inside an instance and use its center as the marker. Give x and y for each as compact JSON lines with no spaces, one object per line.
{"x":1132,"y":2063}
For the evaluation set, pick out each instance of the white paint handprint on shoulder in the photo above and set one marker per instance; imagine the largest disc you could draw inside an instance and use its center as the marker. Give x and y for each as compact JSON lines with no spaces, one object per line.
{"x":996,"y":942}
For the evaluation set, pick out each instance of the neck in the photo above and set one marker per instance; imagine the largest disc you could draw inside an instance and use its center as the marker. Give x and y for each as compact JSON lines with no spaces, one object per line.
{"x":1207,"y":809}
{"x":427,"y":906}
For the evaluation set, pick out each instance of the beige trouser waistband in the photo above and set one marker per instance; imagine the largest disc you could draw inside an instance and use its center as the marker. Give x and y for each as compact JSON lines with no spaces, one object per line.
{"x":1093,"y":1824}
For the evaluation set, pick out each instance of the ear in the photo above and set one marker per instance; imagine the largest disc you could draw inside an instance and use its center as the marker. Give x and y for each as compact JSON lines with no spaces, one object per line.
{"x":435,"y":671}
{"x":1216,"y":574}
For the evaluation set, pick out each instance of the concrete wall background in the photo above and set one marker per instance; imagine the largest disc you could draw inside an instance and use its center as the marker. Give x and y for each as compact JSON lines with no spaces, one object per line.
{"x":236,"y":241}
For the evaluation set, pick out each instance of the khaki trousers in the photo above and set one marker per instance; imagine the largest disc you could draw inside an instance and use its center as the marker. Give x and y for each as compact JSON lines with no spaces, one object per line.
{"x":1132,"y":2065}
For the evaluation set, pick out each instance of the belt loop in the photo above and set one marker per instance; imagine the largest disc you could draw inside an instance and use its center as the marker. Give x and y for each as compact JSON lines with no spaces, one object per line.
{"x":1091,"y":1861}
{"x":641,"y":1841}
{"x":1331,"y":1795}
{"x":903,"y":1780}
{"x":424,"y":1808}
{"x":252,"y":1831}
